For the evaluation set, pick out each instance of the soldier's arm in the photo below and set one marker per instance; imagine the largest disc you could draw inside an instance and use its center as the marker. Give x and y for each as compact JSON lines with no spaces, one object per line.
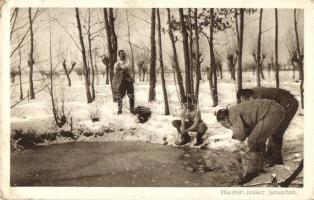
{"x":239,"y":130}
{"x":116,"y":67}
{"x":182,"y":115}
{"x":196,"y":121}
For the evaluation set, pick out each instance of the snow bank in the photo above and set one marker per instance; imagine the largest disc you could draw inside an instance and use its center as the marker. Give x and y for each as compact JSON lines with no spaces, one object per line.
{"x":35,"y":115}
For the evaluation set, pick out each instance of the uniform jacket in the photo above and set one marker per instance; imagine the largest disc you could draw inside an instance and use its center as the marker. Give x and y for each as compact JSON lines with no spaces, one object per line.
{"x":245,"y":115}
{"x":281,"y":96}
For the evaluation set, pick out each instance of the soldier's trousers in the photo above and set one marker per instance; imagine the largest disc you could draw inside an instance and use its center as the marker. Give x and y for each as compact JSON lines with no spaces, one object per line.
{"x":276,"y":140}
{"x":126,"y":87}
{"x":265,"y":128}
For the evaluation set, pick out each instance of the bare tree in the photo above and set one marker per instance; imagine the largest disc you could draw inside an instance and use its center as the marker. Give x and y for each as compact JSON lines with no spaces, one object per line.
{"x":190,"y":28}
{"x":258,"y":51}
{"x":162,"y":74}
{"x":276,"y":48}
{"x":79,"y":71}
{"x":130,"y":44}
{"x":68,"y":71}
{"x":299,"y":57}
{"x":140,"y":65}
{"x":186,"y":54}
{"x":240,"y":33}
{"x":103,"y":72}
{"x":89,"y":39}
{"x":114,"y":41}
{"x":105,"y":60}
{"x":198,"y":63}
{"x":13,"y":20}
{"x":86,"y":74}
{"x":58,"y":114}
{"x":232,"y":60}
{"x":109,"y":48}
{"x":213,"y":75}
{"x":175,"y":58}
{"x":31,"y":55}
{"x":218,"y":63}
{"x":20,"y":74}
{"x":152,"y":71}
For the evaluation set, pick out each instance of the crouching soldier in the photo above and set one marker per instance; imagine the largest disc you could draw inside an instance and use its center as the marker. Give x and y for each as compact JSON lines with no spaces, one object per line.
{"x":256,"y":120}
{"x":123,"y":82}
{"x":190,"y":121}
{"x":288,"y":102}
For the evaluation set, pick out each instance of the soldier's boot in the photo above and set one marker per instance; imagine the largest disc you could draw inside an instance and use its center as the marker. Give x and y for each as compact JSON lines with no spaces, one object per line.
{"x":185,"y":138}
{"x":252,"y":169}
{"x":261,"y":163}
{"x":131,"y":101}
{"x":199,"y":139}
{"x":119,"y":107}
{"x":276,"y":158}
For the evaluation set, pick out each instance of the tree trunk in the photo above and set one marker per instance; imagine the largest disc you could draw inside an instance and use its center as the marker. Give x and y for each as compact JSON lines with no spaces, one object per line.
{"x":186,"y":55}
{"x":86,"y":74}
{"x":175,"y":59}
{"x":197,"y":56}
{"x":240,"y":46}
{"x":300,"y":58}
{"x":15,"y":14}
{"x":152,"y":70}
{"x":162,"y":73}
{"x":276,"y":48}
{"x":191,"y":51}
{"x":258,"y":51}
{"x":91,"y":57}
{"x":131,"y":48}
{"x":114,"y":42}
{"x":213,"y":71}
{"x":66,"y":73}
{"x":20,"y":74}
{"x":109,"y":66}
{"x":31,"y":56}
{"x":107,"y":74}
{"x":51,"y":92}
{"x":96,"y":68}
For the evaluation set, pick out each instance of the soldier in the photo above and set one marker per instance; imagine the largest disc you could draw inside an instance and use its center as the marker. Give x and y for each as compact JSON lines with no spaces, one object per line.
{"x":191,"y":120}
{"x":256,"y":120}
{"x":123,"y":82}
{"x":288,"y":102}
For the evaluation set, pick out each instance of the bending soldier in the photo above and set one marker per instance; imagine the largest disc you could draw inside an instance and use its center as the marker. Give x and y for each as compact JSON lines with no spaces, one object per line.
{"x":288,"y":102}
{"x":256,"y":120}
{"x":191,"y":120}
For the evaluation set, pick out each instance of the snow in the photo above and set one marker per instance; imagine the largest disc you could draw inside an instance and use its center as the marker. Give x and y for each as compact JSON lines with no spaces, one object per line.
{"x":36,"y":114}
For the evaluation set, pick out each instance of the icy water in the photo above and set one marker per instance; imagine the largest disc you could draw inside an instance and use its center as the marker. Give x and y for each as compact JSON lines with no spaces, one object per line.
{"x":123,"y":164}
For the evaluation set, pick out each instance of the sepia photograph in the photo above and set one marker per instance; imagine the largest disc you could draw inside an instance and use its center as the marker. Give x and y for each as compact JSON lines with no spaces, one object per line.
{"x":156,"y":97}
{"x":155,"y":100}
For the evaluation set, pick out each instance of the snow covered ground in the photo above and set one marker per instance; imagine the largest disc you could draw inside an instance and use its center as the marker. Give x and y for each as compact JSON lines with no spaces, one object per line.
{"x":35,"y":116}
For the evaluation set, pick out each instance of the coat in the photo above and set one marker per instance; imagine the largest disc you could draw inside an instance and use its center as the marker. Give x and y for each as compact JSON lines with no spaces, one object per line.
{"x":281,"y":96}
{"x":246,"y":115}
{"x":116,"y":83}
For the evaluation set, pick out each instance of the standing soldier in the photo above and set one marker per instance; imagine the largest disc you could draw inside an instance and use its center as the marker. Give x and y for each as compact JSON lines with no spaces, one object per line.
{"x":256,"y":120}
{"x":288,"y":102}
{"x":122,"y":82}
